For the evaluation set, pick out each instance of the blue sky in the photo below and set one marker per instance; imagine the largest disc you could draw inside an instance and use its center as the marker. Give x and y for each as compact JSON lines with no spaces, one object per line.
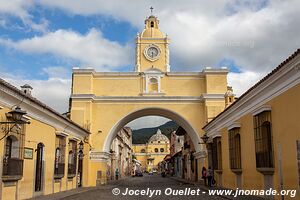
{"x":40,"y":41}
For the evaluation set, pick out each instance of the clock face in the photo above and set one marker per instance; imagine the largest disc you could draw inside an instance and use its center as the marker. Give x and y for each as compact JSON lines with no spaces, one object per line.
{"x":152,"y":52}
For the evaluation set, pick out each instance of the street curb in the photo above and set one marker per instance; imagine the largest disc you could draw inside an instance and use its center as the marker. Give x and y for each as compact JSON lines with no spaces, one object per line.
{"x":202,"y":187}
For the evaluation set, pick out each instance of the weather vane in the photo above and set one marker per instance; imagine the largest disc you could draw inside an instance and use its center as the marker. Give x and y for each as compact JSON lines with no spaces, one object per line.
{"x":151,"y":8}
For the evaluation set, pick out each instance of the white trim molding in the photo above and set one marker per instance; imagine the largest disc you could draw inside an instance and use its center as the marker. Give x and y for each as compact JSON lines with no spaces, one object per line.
{"x":214,"y":134}
{"x":200,"y":154}
{"x":261,"y":109}
{"x":99,"y":156}
{"x":61,"y":133}
{"x":234,"y":125}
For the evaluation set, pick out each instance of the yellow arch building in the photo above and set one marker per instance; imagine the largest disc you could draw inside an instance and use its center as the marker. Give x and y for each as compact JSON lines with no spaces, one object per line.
{"x":106,"y":101}
{"x":153,"y":152}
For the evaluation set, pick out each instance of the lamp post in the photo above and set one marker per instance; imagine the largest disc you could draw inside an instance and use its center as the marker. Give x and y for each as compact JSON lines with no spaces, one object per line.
{"x":204,"y":138}
{"x":16,"y":116}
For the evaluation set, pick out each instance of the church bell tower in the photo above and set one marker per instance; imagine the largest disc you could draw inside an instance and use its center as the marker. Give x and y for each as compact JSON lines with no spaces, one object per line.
{"x":152,"y":47}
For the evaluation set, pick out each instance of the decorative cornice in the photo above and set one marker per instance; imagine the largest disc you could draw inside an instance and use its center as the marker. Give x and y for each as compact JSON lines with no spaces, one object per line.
{"x":200,"y":154}
{"x":234,"y":125}
{"x":261,"y":109}
{"x":212,"y":96}
{"x":92,"y":97}
{"x":62,"y":133}
{"x":99,"y":156}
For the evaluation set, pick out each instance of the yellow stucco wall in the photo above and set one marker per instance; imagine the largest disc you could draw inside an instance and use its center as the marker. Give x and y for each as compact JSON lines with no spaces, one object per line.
{"x":36,"y":132}
{"x":285,"y":132}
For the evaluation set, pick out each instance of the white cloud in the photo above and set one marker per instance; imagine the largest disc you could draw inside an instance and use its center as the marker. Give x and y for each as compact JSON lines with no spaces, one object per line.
{"x":243,"y":81}
{"x":256,"y":34}
{"x":20,"y":9}
{"x":91,"y":49}
{"x":53,"y":91}
{"x":57,"y":72}
{"x":147,"y":122}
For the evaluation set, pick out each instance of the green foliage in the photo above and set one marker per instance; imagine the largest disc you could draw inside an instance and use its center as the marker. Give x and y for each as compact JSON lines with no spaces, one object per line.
{"x":141,"y":136}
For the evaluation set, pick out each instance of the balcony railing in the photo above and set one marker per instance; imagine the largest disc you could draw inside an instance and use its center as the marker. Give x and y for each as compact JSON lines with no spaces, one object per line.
{"x":59,"y":170}
{"x":71,"y":170}
{"x":12,"y":168}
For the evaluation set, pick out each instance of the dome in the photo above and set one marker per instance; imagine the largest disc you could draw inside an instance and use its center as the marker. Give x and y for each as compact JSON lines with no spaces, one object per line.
{"x":152,"y":33}
{"x":151,"y":28}
{"x":158,"y":137}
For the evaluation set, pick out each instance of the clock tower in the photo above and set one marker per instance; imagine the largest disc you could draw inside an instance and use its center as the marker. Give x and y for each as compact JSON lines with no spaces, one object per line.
{"x":152,"y":48}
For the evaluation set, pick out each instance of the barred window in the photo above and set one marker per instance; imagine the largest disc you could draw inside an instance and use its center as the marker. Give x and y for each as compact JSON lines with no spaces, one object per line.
{"x":59,"y":163}
{"x":72,"y":158}
{"x":156,"y":150}
{"x":263,"y":140}
{"x":217,"y":153}
{"x":235,"y":148}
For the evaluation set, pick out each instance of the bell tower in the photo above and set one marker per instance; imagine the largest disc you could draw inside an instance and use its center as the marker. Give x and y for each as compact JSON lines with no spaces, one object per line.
{"x":152,"y":47}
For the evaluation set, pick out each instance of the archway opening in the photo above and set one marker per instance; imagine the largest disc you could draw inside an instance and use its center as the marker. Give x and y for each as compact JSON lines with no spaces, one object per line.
{"x":153,"y":150}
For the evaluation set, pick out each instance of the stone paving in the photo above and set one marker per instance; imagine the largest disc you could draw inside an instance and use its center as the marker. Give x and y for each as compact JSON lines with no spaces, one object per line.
{"x":153,"y":185}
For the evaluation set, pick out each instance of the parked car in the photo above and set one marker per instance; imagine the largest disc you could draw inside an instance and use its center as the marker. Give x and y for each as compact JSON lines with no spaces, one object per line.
{"x":138,"y":173}
{"x":154,"y":171}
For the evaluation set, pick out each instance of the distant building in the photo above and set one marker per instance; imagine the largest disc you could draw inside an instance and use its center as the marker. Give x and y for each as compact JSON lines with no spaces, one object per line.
{"x":121,"y":154}
{"x":176,"y":143}
{"x":151,"y":153}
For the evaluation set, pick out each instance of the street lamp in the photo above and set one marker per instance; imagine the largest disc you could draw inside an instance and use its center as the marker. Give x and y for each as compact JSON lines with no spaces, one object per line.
{"x":204,"y":138}
{"x":16,"y":116}
{"x":81,"y":145}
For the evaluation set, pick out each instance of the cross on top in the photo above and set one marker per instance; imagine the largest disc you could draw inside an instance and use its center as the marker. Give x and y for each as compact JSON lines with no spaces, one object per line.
{"x":151,"y":8}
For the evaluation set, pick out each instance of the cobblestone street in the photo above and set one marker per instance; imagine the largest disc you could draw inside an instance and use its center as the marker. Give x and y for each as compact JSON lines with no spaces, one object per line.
{"x":153,"y":182}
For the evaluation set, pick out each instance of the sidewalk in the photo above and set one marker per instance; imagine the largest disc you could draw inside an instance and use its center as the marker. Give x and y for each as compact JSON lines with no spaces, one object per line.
{"x":60,"y":195}
{"x":205,"y":188}
{"x":68,"y":193}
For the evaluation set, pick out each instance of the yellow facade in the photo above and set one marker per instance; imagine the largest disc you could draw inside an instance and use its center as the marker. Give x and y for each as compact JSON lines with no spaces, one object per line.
{"x":278,"y":95}
{"x":45,"y":125}
{"x":107,"y":101}
{"x":153,"y":152}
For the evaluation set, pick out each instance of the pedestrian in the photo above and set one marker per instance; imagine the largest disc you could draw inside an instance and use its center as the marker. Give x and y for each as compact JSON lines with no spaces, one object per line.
{"x":117,"y":174}
{"x":209,"y":176}
{"x":204,"y":175}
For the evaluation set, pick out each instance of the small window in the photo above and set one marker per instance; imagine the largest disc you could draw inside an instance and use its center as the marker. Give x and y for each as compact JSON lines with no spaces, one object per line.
{"x":158,"y":142}
{"x":162,"y":150}
{"x":72,"y":158}
{"x":12,"y":162}
{"x":153,"y":85}
{"x":59,"y":163}
{"x":234,"y":148}
{"x":152,"y":24}
{"x":178,"y":140}
{"x":143,"y":151}
{"x":217,"y":153}
{"x":156,"y":150}
{"x":263,"y":140}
